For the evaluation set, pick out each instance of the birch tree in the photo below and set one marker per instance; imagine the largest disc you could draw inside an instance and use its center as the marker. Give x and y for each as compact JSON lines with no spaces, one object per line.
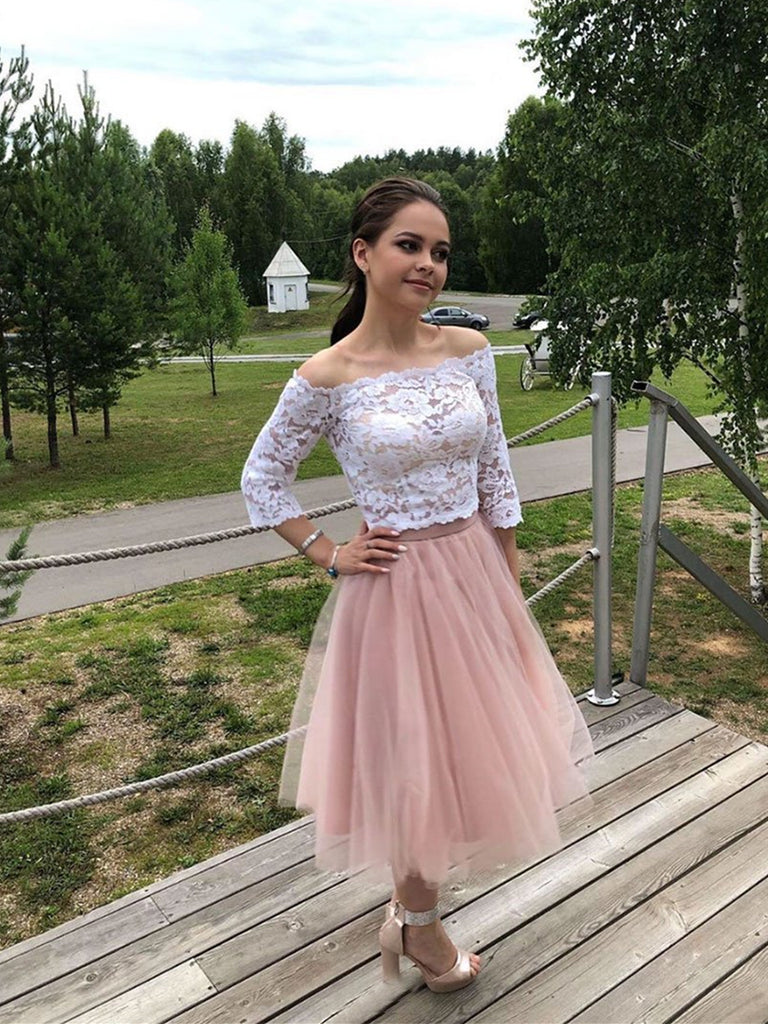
{"x":655,"y":198}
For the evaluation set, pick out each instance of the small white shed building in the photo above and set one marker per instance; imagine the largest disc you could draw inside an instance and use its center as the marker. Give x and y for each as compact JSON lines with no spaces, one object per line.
{"x":287,"y":281}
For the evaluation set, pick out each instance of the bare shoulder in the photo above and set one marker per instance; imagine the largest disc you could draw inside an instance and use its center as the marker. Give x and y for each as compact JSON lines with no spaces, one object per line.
{"x":323,"y":369}
{"x":463,"y":341}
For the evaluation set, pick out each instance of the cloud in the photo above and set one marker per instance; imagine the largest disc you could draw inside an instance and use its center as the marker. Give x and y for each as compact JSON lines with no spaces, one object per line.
{"x":350,"y":77}
{"x":332,"y":42}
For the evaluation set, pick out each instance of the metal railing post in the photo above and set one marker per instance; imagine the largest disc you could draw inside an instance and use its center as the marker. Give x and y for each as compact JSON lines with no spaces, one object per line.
{"x":649,"y":541}
{"x":602,"y":528}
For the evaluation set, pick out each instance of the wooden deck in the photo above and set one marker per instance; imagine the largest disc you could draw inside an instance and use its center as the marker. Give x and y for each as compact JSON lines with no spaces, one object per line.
{"x":656,"y":909}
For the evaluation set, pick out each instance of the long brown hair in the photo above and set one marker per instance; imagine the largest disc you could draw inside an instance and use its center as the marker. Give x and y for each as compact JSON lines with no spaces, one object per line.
{"x":372,"y":216}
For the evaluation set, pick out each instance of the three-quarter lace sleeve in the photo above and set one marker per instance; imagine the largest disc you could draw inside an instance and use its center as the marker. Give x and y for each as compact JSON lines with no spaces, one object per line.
{"x":496,"y":489}
{"x":289,"y":435}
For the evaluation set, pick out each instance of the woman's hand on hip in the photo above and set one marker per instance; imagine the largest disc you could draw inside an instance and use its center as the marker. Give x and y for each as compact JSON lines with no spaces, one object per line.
{"x":368,"y":549}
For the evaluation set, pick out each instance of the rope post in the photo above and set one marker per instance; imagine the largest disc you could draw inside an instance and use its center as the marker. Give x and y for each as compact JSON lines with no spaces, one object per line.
{"x":649,"y":541}
{"x":602,"y":526}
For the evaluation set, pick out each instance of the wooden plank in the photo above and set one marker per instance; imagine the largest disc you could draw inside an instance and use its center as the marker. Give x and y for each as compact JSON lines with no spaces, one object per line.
{"x":582,"y":974}
{"x":250,"y":867}
{"x":44,"y":963}
{"x":154,"y":1001}
{"x":706,"y":955}
{"x":86,"y":920}
{"x":109,"y":976}
{"x":181,"y":894}
{"x":492,"y":914}
{"x":626,"y":723}
{"x":658,"y":739}
{"x":742,"y":997}
{"x":559,"y":902}
{"x":650,"y":780}
{"x":196,"y":897}
{"x":593,"y":714}
{"x":228,"y":857}
{"x":294,"y":977}
{"x":188,"y":890}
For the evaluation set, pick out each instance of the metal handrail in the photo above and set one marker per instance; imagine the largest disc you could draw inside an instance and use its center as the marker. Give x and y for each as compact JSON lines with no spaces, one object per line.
{"x":653,"y":535}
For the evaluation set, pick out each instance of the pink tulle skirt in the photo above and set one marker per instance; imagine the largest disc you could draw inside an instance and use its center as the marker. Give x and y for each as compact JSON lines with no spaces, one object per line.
{"x":440,"y":732}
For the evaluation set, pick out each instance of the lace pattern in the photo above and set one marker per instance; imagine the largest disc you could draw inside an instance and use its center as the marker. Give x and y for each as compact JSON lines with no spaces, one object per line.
{"x":418,"y":446}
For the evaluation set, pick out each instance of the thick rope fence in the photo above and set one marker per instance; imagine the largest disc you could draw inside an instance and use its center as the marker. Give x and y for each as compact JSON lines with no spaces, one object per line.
{"x":197,"y":771}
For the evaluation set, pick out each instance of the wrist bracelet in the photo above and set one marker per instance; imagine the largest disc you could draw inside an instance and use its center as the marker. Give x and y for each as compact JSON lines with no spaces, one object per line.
{"x":332,"y":571}
{"x":309,"y":540}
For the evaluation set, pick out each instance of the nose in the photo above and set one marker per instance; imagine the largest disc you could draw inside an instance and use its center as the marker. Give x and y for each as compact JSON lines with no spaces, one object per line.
{"x":426,"y":261}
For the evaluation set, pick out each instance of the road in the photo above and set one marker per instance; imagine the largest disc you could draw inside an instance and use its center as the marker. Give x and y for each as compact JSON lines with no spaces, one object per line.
{"x":501,"y":310}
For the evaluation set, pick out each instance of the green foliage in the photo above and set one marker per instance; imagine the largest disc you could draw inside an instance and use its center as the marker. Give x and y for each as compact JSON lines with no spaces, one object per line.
{"x":87,"y":263}
{"x":654,"y":188}
{"x":11,"y":582}
{"x":172,"y":156}
{"x":513,"y":244}
{"x":15,"y":90}
{"x":256,"y":207}
{"x":208,"y":308}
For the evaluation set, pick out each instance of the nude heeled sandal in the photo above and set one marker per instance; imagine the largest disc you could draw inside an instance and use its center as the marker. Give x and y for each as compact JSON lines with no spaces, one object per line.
{"x":391,"y":942}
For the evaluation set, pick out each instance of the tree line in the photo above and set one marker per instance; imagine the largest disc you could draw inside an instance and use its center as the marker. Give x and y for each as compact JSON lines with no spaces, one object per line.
{"x":95,"y":232}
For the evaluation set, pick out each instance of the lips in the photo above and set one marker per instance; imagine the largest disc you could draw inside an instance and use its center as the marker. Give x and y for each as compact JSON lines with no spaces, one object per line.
{"x":419,"y":283}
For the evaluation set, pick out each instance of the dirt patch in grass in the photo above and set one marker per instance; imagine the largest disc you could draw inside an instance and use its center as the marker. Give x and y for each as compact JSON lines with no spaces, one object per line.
{"x":725,"y":646}
{"x":115,"y":740}
{"x":578,"y":629}
{"x":691,"y":510}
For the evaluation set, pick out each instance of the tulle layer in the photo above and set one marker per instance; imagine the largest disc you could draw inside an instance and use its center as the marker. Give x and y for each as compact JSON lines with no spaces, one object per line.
{"x":440,"y":730}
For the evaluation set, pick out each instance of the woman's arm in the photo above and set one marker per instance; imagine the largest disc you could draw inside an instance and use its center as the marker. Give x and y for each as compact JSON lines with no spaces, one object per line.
{"x":360,"y":554}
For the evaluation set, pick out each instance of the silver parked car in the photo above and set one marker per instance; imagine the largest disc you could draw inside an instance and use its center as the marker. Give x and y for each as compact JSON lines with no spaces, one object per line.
{"x":456,"y":316}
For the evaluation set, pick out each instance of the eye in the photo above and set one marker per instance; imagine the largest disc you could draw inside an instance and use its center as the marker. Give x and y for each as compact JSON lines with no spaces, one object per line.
{"x":441,"y":255}
{"x":408,"y":244}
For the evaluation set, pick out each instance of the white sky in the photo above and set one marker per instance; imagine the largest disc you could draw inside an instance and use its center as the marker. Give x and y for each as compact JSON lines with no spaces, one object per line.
{"x":349,"y":76}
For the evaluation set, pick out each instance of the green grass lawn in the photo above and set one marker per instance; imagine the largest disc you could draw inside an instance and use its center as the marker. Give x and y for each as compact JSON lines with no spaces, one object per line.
{"x":129,"y":689}
{"x":171,"y":439}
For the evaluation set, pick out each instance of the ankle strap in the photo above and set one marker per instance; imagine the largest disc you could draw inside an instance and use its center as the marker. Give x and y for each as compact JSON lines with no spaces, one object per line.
{"x":417,"y":917}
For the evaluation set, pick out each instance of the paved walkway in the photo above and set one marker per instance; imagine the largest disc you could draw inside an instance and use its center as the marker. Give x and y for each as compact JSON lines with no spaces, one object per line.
{"x":542,"y":471}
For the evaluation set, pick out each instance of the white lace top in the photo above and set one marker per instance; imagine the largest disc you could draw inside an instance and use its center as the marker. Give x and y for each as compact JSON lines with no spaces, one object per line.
{"x":418,"y":446}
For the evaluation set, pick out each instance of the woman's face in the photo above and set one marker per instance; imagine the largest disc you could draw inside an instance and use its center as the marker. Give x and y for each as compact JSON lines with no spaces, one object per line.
{"x":408,"y":264}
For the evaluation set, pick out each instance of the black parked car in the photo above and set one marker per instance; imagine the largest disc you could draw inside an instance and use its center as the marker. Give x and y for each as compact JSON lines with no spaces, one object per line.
{"x":456,"y":316}
{"x":524,"y":321}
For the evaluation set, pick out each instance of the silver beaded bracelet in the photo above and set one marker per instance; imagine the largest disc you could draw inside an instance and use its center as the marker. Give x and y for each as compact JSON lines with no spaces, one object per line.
{"x":309,"y":540}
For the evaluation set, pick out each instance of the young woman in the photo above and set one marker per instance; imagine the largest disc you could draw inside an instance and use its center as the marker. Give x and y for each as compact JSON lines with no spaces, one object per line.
{"x":440,"y":732}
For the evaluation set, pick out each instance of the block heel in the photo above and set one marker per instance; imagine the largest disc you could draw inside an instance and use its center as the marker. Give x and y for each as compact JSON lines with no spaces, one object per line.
{"x":391,"y":943}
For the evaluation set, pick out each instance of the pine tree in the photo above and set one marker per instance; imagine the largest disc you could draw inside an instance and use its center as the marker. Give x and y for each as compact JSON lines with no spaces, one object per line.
{"x":15,"y":89}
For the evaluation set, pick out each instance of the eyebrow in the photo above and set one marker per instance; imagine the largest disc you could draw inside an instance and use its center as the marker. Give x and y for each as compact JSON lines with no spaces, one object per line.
{"x":420,"y":238}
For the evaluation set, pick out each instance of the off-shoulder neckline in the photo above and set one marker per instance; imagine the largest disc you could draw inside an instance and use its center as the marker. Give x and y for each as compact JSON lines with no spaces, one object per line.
{"x":409,"y":371}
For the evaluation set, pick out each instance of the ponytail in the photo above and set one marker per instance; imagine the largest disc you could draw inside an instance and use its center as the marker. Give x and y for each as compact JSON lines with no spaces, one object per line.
{"x":352,"y":313}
